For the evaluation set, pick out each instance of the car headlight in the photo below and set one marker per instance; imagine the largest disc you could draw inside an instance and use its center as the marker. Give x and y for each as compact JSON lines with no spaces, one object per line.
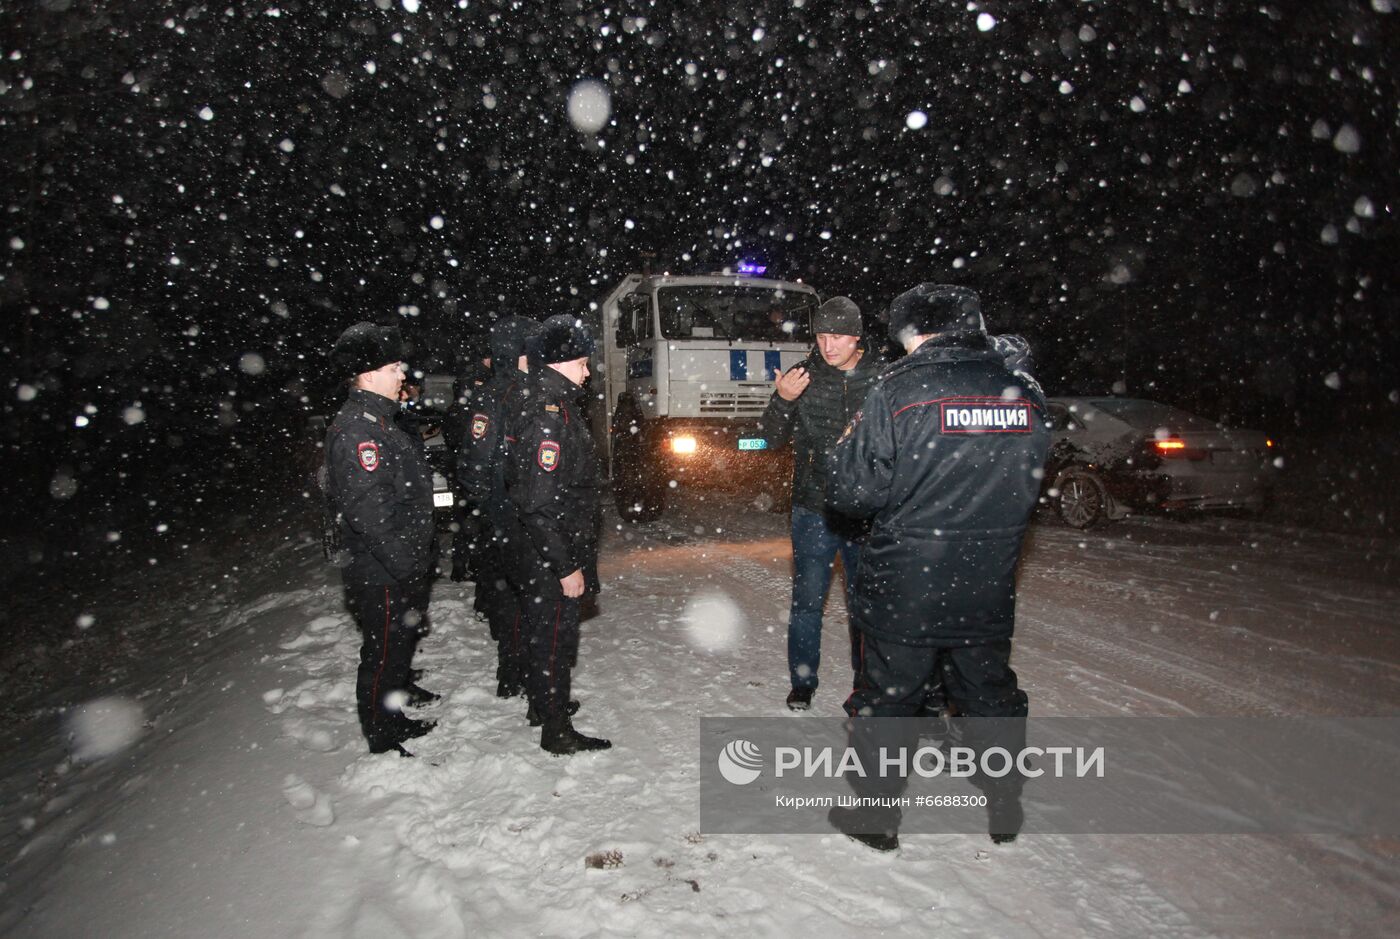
{"x":683,"y":444}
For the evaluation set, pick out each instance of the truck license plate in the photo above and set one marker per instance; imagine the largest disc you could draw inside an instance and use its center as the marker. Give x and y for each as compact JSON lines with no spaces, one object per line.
{"x":753,"y":443}
{"x":442,"y":500}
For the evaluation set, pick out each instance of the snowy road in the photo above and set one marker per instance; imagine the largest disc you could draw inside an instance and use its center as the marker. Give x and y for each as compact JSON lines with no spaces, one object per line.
{"x":247,"y":805}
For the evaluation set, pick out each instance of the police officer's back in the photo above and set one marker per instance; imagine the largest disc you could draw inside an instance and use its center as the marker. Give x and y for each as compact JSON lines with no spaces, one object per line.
{"x":946,"y":456}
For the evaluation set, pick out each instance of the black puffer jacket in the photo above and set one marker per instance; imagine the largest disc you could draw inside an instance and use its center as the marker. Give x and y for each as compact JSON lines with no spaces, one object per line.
{"x":380,"y":487}
{"x":815,"y":420}
{"x":554,"y":483}
{"x":946,"y":455}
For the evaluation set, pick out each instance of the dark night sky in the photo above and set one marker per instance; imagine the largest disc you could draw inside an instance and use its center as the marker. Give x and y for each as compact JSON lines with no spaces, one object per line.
{"x":1196,"y":197}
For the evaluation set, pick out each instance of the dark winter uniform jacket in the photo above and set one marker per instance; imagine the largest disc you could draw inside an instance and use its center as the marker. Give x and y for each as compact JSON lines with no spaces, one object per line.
{"x":946,"y":455}
{"x":482,"y":456}
{"x":553,"y":481}
{"x":456,"y":423}
{"x":815,"y":420}
{"x":380,"y":487}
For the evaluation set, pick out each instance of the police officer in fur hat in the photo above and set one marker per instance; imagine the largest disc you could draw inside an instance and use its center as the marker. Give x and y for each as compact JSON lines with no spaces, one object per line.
{"x":481,"y":475}
{"x":946,"y":456}
{"x":554,"y":483}
{"x":380,"y":488}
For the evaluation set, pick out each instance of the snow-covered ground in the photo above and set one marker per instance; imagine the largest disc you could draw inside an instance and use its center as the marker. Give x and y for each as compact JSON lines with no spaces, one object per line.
{"x":247,"y":805}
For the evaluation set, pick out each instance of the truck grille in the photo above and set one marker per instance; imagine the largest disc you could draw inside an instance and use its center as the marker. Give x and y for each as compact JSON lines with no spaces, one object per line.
{"x":731,"y":402}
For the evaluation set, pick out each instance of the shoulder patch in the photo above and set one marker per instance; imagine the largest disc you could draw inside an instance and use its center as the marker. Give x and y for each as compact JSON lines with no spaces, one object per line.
{"x":368,"y":452}
{"x":985,"y":416}
{"x":552,"y":408}
{"x":548,"y":456}
{"x":479,"y":424}
{"x":372,"y":418}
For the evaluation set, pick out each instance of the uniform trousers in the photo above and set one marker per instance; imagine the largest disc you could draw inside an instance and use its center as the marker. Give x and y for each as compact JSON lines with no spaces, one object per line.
{"x":391,"y":619}
{"x":893,"y":679}
{"x":552,"y":633}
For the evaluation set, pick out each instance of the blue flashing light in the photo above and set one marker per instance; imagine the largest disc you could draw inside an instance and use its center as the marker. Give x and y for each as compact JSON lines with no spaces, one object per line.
{"x":749,"y":267}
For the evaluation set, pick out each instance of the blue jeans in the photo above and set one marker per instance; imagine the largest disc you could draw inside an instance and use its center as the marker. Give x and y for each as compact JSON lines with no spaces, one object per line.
{"x":814,"y":550}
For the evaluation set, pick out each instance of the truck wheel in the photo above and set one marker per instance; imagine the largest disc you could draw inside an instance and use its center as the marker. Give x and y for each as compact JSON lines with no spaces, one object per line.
{"x":638,"y":497}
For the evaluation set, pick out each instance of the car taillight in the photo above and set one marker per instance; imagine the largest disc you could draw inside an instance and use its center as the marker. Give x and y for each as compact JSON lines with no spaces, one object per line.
{"x":1170,"y":448}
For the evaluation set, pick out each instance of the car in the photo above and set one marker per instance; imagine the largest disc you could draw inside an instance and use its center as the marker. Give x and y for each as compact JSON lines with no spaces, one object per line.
{"x":427,"y":421}
{"x":1111,"y":456}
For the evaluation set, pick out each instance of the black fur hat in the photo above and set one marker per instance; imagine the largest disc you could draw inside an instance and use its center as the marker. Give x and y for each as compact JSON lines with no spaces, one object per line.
{"x":508,"y":337}
{"x":365,"y":347}
{"x":936,"y":308}
{"x":561,"y":338}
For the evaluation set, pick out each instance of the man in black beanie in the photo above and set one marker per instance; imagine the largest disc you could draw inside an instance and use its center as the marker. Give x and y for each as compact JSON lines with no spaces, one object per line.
{"x":380,"y":487}
{"x":812,"y":403}
{"x":554,"y":482}
{"x":481,"y":475}
{"x":946,"y":455}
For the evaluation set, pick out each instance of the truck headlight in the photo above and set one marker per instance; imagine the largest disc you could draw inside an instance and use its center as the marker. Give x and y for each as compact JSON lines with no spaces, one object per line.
{"x":683,"y":444}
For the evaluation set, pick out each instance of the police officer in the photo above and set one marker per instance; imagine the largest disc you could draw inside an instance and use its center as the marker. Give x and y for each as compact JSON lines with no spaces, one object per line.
{"x":554,"y":483}
{"x":481,"y":477}
{"x":455,"y":427}
{"x":380,"y":487}
{"x":946,"y":455}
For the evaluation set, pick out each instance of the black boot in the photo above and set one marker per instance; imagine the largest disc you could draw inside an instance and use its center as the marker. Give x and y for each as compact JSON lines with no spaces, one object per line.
{"x":417,"y":696}
{"x":560,"y":738}
{"x":508,"y":687}
{"x":799,"y":699}
{"x":1004,"y":818}
{"x":849,"y":822}
{"x":533,"y":716}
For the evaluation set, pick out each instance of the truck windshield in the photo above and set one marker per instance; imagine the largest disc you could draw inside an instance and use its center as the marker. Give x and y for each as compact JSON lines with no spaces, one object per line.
{"x":760,"y":314}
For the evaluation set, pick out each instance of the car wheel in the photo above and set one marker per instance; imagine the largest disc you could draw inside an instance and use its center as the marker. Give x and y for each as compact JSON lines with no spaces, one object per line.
{"x":1083,"y":499}
{"x":637,"y":496}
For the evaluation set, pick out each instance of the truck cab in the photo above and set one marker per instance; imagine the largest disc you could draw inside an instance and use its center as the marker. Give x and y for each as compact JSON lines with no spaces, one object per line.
{"x":687,"y":364}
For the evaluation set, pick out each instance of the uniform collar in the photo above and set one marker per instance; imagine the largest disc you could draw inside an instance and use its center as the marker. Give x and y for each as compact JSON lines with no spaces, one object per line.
{"x":373,"y":403}
{"x":947,"y":349}
{"x":552,"y":383}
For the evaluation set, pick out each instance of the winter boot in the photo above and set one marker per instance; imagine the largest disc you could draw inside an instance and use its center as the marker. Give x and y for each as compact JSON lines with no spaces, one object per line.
{"x":419,"y":696}
{"x":533,"y":716}
{"x":799,"y":699}
{"x":560,"y":738}
{"x":1004,"y":817}
{"x":848,"y":821}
